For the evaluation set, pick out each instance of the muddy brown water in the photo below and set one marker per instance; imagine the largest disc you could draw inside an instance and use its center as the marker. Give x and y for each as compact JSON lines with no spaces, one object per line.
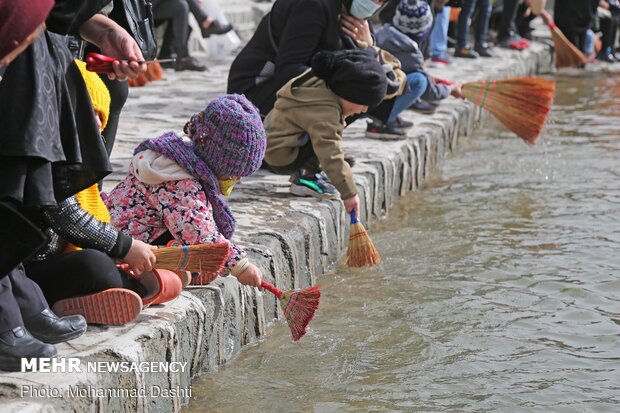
{"x":499,"y":290}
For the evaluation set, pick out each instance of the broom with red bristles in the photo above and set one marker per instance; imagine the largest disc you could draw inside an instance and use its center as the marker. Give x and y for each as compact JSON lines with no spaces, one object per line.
{"x":361,"y":252}
{"x":521,"y":104}
{"x":206,"y":258}
{"x":299,"y":306}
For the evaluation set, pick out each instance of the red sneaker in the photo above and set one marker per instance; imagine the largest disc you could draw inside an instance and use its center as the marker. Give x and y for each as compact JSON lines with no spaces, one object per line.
{"x":114,"y":306}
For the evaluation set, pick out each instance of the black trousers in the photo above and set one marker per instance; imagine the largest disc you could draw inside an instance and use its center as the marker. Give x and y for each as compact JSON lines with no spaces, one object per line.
{"x":78,"y":273}
{"x":20,"y":298}
{"x":306,"y":159}
{"x":509,"y":14}
{"x":177,"y":11}
{"x":609,"y":29}
{"x":119,"y":91}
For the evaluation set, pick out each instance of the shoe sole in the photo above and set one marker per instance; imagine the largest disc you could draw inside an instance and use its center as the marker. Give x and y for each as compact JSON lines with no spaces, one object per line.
{"x":385,"y":136}
{"x":116,"y":306}
{"x":300,"y":190}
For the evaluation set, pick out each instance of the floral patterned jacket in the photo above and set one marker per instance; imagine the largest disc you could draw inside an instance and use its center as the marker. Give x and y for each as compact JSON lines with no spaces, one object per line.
{"x":145,"y":212}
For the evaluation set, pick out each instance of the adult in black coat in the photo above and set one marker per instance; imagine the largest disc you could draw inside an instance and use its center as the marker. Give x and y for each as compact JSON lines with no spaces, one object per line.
{"x":50,"y":148}
{"x":286,"y":40}
{"x":574,"y":18}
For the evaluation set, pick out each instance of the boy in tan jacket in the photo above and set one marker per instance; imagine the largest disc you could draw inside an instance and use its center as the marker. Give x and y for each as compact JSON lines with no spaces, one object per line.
{"x":304,"y":129}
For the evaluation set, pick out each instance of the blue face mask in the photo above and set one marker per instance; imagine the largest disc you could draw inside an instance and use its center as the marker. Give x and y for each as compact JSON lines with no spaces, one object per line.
{"x":363,"y":9}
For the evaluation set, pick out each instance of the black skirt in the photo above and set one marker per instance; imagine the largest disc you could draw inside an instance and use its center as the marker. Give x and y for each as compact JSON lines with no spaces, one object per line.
{"x":50,"y":145}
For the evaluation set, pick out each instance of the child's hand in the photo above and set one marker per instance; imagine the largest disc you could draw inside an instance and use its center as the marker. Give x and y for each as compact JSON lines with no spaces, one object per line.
{"x":352,"y":203}
{"x":456,"y":90}
{"x":250,"y":276}
{"x":140,"y":257}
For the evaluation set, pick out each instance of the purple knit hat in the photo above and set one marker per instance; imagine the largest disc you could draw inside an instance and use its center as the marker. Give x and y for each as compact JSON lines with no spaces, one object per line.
{"x":228,"y":139}
{"x":229,"y":136}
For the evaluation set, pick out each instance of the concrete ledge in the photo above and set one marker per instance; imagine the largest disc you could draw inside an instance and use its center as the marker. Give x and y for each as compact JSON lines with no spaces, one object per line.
{"x":294,"y":241}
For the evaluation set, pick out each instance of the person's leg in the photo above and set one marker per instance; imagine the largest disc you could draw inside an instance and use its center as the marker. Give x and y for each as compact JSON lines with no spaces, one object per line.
{"x":119,"y":91}
{"x":609,"y":30}
{"x":39,"y":320}
{"x":10,"y":316}
{"x":78,"y":273}
{"x":482,"y":23}
{"x":177,"y":11}
{"x":416,"y":86}
{"x":462,"y":30}
{"x":439,"y":35}
{"x":507,"y":27}
{"x":15,"y":341}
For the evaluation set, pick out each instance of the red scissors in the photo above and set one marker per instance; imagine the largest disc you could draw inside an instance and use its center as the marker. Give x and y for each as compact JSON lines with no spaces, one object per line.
{"x":99,"y":63}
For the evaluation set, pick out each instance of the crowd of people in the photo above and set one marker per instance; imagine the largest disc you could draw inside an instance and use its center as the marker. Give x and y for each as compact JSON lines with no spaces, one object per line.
{"x":311,"y":68}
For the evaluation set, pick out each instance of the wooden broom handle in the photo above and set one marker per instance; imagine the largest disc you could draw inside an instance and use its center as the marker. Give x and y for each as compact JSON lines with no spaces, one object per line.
{"x":271,"y":288}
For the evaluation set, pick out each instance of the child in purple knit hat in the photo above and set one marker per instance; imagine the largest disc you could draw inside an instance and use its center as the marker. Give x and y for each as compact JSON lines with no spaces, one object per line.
{"x":175,"y":186}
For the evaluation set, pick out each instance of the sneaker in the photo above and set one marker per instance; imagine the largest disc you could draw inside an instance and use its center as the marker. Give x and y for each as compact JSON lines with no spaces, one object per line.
{"x":388,"y":132}
{"x":515,"y":42}
{"x":316,"y":185}
{"x":483,"y":50}
{"x":424,"y":107}
{"x":114,"y":306}
{"x":402,"y":124}
{"x":189,"y":63}
{"x":442,"y":59}
{"x":466,"y":53}
{"x":215,"y":28}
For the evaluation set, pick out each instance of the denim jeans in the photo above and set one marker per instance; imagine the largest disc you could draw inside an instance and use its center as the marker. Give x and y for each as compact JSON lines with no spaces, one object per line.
{"x":482,"y":22}
{"x":439,"y":35}
{"x":416,"y":86}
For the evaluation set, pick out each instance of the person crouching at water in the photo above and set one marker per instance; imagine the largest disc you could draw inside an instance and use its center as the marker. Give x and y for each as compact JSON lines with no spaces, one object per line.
{"x":175,"y":186}
{"x":304,"y":129}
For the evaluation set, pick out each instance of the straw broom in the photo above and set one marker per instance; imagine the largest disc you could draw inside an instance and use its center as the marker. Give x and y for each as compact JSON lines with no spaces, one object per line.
{"x":521,"y":104}
{"x":299,"y":306}
{"x":566,"y":54}
{"x":207,"y":258}
{"x":361,"y":251}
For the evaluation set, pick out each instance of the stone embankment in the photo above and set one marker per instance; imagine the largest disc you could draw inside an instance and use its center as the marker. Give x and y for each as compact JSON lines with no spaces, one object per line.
{"x":295,"y":242}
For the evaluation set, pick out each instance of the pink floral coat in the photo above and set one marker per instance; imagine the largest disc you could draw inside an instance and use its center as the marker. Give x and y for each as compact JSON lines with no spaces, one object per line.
{"x":145,"y":212}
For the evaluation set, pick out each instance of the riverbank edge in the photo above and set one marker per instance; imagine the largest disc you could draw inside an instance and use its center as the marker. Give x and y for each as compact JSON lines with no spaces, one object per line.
{"x":297,"y":239}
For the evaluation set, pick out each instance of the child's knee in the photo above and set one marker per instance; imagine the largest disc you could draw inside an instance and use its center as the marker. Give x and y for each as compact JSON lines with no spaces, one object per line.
{"x":417,"y":81}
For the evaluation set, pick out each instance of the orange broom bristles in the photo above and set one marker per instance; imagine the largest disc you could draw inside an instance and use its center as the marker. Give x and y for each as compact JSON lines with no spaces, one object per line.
{"x":299,"y":306}
{"x":521,"y":104}
{"x":566,"y":54}
{"x":206,"y":258}
{"x":154,"y":71}
{"x":361,"y":252}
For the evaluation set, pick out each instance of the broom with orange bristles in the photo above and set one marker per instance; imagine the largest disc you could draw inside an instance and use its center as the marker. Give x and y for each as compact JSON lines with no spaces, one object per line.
{"x":299,"y":306}
{"x":566,"y":53}
{"x":361,"y":252}
{"x":206,"y":258}
{"x":521,"y":104}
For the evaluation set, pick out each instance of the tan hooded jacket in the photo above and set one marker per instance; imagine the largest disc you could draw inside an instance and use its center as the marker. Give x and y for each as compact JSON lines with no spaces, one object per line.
{"x":306,"y":105}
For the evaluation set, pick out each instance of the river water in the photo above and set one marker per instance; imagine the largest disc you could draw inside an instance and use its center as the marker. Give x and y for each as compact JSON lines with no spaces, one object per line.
{"x":499,"y":290}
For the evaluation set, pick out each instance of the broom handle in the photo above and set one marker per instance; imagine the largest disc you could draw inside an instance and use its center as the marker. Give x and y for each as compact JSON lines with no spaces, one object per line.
{"x":354,"y":219}
{"x":271,"y":288}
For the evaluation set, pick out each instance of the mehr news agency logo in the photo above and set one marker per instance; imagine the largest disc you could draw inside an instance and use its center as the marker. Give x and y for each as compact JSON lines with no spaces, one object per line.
{"x":75,"y":365}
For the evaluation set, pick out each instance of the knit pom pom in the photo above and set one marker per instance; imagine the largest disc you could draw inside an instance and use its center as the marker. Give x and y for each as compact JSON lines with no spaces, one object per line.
{"x":323,"y":64}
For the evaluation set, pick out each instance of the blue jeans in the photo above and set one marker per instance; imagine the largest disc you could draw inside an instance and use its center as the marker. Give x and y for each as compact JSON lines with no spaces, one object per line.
{"x":482,"y":22}
{"x":416,"y":86}
{"x":439,"y":35}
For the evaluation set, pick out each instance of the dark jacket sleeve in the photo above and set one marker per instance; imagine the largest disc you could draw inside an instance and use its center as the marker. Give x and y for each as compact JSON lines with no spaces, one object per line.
{"x":67,"y":16}
{"x":299,"y":39}
{"x":80,"y":228}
